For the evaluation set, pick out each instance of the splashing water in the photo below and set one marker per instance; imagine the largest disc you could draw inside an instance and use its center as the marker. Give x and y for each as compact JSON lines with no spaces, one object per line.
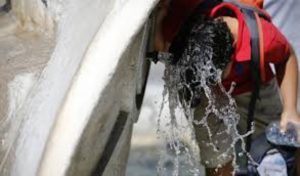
{"x":192,"y":81}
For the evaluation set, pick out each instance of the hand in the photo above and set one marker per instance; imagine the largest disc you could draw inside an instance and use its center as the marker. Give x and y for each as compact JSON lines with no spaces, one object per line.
{"x":289,"y":117}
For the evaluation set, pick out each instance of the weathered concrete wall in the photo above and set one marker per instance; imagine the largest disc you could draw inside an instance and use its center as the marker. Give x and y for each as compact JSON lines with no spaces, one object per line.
{"x":90,"y":72}
{"x":118,"y":97}
{"x":79,"y":86}
{"x":24,"y":54}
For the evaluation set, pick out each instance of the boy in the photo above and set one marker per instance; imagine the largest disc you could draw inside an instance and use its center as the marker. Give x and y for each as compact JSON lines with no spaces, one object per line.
{"x":181,"y":27}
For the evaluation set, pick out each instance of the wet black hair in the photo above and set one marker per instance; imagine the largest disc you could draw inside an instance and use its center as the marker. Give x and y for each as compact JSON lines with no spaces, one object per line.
{"x":211,"y":36}
{"x":201,"y":39}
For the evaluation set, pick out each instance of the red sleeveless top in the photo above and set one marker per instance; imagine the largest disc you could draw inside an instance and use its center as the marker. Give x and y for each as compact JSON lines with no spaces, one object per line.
{"x":275,"y":50}
{"x":275,"y":46}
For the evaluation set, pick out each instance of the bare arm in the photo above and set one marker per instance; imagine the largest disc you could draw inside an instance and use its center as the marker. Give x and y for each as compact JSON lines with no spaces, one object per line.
{"x":288,"y":90}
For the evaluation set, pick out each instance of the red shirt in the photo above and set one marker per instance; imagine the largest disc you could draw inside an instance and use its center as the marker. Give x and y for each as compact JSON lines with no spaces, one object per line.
{"x":275,"y":45}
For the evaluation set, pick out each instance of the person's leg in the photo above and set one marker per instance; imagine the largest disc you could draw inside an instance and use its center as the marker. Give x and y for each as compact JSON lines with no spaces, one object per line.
{"x":216,"y":158}
{"x":220,"y":156}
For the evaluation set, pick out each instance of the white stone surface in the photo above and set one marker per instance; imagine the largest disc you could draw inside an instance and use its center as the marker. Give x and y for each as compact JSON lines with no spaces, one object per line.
{"x":89,"y":77}
{"x":24,"y":54}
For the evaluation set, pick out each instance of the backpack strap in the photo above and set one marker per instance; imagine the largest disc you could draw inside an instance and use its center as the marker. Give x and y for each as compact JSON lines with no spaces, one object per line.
{"x":253,"y":22}
{"x":260,"y":12}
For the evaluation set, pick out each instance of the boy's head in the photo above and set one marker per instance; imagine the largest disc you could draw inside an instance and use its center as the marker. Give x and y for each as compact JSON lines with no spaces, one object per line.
{"x":202,"y":49}
{"x":203,"y":38}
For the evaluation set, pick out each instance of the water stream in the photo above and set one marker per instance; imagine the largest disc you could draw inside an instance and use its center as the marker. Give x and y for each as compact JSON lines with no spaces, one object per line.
{"x":196,"y":83}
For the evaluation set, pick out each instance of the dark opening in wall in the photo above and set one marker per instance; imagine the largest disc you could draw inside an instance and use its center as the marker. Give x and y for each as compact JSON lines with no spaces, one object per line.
{"x":5,"y":7}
